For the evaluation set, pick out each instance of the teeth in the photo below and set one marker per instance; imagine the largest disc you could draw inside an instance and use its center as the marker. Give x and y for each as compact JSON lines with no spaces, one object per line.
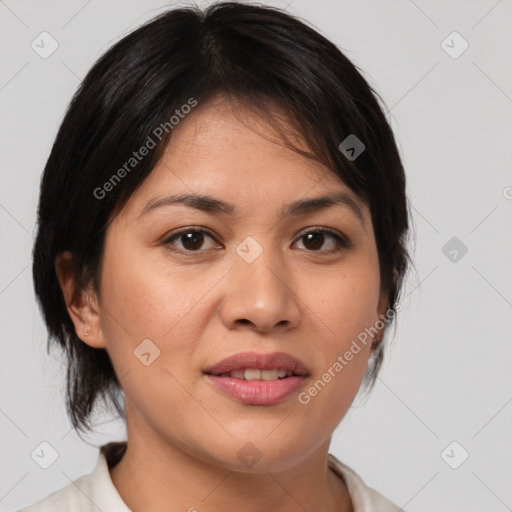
{"x":237,"y":374}
{"x":256,"y":374}
{"x":252,"y":374}
{"x":269,"y":374}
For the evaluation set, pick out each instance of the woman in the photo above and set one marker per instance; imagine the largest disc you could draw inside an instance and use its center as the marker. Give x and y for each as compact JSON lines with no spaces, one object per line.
{"x":220,"y":251}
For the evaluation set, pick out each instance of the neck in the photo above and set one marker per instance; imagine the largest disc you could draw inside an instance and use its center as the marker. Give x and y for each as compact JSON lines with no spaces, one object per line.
{"x":156,"y":475}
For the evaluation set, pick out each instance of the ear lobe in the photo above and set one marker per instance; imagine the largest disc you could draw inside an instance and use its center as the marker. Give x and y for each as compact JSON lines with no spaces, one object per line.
{"x":82,"y":305}
{"x":381,"y":321}
{"x":383,"y":305}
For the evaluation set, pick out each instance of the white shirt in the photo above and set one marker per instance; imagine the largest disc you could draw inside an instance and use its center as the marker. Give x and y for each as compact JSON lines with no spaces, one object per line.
{"x":96,"y":491}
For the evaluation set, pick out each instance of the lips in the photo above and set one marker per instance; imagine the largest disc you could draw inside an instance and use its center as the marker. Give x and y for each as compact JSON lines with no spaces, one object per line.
{"x":258,"y":379}
{"x":268,"y":364}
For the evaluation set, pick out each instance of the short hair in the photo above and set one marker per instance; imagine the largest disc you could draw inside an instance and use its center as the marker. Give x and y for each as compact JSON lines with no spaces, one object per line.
{"x":262,"y":56}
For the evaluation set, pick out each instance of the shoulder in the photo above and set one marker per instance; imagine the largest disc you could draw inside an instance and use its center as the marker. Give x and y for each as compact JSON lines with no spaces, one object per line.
{"x":364,"y":498}
{"x":72,"y":497}
{"x":88,"y":493}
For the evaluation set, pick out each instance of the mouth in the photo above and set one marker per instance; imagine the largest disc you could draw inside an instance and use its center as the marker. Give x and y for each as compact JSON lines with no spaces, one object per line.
{"x":257,"y":378}
{"x":257,"y":374}
{"x":259,"y":366}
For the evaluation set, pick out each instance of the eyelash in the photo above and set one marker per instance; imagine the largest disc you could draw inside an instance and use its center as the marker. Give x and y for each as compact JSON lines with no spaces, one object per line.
{"x":342,"y":241}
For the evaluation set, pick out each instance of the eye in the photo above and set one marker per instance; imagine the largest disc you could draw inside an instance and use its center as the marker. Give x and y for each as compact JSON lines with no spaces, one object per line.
{"x":317,"y":240}
{"x":323,"y":240}
{"x":191,"y":240}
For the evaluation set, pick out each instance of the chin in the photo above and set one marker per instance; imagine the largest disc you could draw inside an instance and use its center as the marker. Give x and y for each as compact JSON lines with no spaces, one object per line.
{"x":262,"y":454}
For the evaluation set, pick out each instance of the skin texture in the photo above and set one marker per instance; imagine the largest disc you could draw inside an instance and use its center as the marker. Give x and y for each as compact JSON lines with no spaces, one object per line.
{"x":309,"y":299}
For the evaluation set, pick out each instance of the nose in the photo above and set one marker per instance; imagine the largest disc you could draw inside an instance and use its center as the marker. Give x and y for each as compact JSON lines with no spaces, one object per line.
{"x":260,"y":297}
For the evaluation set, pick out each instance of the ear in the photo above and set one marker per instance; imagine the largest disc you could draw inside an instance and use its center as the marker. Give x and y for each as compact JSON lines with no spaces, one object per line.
{"x":383,"y":304}
{"x":382,"y":309}
{"x":83,"y":306}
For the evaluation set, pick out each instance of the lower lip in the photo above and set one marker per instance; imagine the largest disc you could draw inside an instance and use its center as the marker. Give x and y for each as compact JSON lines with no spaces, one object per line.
{"x":257,"y":392}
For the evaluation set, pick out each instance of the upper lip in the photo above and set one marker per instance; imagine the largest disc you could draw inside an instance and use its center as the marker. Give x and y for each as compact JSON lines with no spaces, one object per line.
{"x":260,"y":361}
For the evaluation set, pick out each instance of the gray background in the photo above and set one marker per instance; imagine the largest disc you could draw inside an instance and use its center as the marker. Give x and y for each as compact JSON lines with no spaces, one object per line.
{"x":448,"y":371}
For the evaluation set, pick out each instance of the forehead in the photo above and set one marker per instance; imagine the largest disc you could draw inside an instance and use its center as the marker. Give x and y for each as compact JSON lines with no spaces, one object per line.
{"x":225,"y":132}
{"x":231,"y":152}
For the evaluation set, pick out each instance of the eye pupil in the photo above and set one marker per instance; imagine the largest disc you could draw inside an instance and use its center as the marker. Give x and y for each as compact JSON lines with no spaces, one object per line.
{"x":192,"y":240}
{"x":314,"y":240}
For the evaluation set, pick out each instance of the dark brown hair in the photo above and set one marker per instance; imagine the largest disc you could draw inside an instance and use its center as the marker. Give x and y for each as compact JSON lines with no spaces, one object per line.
{"x":259,"y":55}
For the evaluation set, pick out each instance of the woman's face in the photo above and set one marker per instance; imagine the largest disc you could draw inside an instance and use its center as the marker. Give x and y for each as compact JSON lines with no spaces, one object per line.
{"x":246,"y":270}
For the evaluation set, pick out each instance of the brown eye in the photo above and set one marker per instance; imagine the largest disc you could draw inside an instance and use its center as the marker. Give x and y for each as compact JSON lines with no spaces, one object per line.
{"x":313,"y":241}
{"x":322,"y":240}
{"x":191,"y":240}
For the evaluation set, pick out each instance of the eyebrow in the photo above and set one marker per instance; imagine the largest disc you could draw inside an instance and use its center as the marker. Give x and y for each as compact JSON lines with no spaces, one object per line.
{"x":212,"y":205}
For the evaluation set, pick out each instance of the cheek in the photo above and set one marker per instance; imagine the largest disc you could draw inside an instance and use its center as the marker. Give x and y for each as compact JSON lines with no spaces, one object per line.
{"x":148,"y":299}
{"x":346,"y":307}
{"x":144,"y":301}
{"x":145,"y":298}
{"x":347,"y":302}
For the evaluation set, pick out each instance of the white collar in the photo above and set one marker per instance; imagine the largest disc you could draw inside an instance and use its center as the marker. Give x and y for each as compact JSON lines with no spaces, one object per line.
{"x":96,"y":491}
